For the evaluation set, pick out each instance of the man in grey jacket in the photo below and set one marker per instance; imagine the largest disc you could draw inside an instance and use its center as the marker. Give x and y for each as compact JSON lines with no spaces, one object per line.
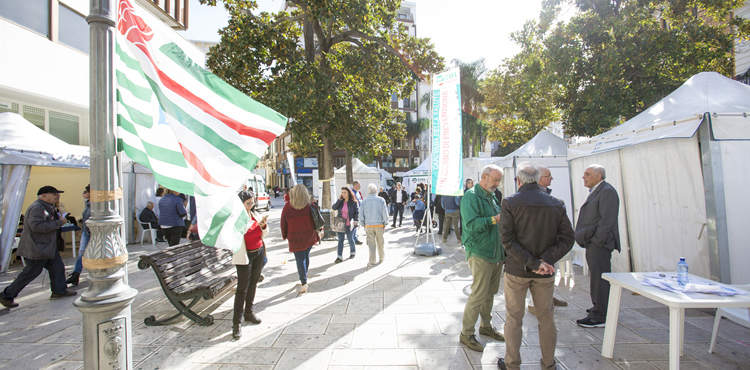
{"x":373,"y":214}
{"x":597,"y":230}
{"x":38,"y":245}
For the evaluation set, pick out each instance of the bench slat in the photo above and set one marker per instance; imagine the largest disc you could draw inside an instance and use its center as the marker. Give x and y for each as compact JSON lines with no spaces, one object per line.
{"x":190,"y":268}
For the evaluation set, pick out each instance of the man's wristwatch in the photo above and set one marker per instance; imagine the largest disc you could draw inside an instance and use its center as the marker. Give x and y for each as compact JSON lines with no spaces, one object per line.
{"x":494,"y":221}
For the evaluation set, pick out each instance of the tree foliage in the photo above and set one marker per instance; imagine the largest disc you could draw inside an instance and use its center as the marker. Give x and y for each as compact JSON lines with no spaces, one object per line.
{"x":614,"y":59}
{"x":331,"y":66}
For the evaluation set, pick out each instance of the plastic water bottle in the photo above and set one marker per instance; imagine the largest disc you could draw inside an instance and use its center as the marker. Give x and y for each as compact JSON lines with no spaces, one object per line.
{"x":682,"y":272}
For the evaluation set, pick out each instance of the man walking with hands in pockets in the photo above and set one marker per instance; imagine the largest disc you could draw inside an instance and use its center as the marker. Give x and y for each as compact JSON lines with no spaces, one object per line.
{"x":536,"y":233}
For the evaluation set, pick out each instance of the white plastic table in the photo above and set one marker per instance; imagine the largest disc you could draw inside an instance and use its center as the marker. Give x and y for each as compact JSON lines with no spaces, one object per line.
{"x":676,"y":302}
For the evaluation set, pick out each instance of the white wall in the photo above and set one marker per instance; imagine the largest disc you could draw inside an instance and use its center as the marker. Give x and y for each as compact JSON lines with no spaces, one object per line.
{"x":742,"y":48}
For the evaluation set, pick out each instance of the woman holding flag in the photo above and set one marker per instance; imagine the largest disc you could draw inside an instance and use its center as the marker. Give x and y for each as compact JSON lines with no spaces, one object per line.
{"x":249,"y":263}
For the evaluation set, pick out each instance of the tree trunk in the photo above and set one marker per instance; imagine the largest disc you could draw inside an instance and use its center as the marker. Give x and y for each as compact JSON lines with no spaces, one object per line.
{"x":349,"y":171}
{"x":325,"y":174}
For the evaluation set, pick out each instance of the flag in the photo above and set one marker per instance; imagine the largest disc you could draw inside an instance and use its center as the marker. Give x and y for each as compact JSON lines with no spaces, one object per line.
{"x":197,"y":134}
{"x":447,"y":147}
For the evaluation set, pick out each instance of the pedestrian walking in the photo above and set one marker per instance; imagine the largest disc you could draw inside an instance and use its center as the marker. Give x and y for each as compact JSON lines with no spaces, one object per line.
{"x":248,"y":261}
{"x":418,"y":214}
{"x":73,"y":278}
{"x":452,"y":208}
{"x":358,"y":197}
{"x":485,"y":254}
{"x":398,"y":199}
{"x":38,"y":245}
{"x":536,"y":233}
{"x":374,"y":217}
{"x":349,"y":210}
{"x":298,"y":230}
{"x":172,"y":211}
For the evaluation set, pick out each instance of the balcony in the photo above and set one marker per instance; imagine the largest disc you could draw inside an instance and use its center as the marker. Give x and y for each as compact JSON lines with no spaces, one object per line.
{"x":405,"y":17}
{"x":172,"y":12}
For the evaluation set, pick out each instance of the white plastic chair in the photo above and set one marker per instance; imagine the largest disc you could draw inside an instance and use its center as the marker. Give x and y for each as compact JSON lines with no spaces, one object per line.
{"x":145,"y":228}
{"x":578,"y":252}
{"x":737,"y":314}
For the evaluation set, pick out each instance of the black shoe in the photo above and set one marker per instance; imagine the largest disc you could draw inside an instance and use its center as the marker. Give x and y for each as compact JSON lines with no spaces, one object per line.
{"x":73,"y":278}
{"x":588,"y":310}
{"x":261,"y":278}
{"x":250,"y":317}
{"x":358,"y":243}
{"x":8,"y":302}
{"x":589,"y":323}
{"x":236,"y":331}
{"x":351,"y":256}
{"x":501,"y":364}
{"x":399,"y":225}
{"x":160,"y":240}
{"x":394,"y":225}
{"x":439,"y":233}
{"x":66,"y":294}
{"x":338,"y":260}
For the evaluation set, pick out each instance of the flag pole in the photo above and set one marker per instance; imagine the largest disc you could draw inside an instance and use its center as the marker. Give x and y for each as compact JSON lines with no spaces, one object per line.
{"x":105,"y":305}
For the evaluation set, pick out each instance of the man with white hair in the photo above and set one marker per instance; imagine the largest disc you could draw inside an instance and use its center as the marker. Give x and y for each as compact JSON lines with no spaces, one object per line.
{"x":536,"y":233}
{"x":597,"y":231}
{"x":373,"y":214}
{"x":480,"y":211}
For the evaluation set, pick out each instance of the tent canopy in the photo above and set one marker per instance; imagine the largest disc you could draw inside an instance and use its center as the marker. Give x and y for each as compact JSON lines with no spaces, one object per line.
{"x":544,"y":145}
{"x":678,"y":115}
{"x":359,"y":168}
{"x":422,"y":170}
{"x":23,"y":143}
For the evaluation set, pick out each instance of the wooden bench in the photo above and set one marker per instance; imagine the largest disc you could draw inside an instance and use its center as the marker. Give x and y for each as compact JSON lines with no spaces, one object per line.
{"x":188,"y":272}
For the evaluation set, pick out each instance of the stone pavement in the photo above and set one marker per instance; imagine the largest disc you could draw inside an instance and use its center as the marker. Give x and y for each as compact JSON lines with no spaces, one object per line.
{"x":402,"y":314}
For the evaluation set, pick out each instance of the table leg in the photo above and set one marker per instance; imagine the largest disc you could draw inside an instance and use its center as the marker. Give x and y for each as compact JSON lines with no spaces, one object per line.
{"x":675,"y":336}
{"x":682,"y":330}
{"x":613,"y":313}
{"x":73,"y":241}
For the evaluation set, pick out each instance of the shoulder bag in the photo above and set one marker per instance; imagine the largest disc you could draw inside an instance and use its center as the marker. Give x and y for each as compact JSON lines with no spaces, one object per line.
{"x":317,"y":218}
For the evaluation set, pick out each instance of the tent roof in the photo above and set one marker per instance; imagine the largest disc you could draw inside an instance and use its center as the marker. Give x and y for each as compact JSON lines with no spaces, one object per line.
{"x":422,"y":170}
{"x":359,"y":168}
{"x":677,"y":115}
{"x":23,"y":143}
{"x":544,"y":144}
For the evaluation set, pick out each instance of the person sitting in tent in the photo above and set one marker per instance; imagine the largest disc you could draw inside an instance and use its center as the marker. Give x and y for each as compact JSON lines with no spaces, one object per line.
{"x":148,"y":217}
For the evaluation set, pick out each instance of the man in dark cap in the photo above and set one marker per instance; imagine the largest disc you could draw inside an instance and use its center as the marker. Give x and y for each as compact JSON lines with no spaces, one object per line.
{"x":38,"y":245}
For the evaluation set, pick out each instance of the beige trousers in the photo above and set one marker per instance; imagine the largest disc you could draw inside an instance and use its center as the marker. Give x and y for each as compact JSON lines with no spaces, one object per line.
{"x":486,"y":284}
{"x":452,"y":219}
{"x":375,"y":239}
{"x":542,"y":290}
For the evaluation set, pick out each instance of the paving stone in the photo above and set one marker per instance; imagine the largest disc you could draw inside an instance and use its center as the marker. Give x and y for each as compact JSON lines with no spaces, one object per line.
{"x":584,"y":357}
{"x":374,"y":357}
{"x":636,"y":365}
{"x":642,"y":352}
{"x":65,"y":365}
{"x":623,"y":335}
{"x":370,"y":335}
{"x":429,"y":341}
{"x":422,"y":324}
{"x":722,"y":357}
{"x":308,"y":324}
{"x":446,"y":358}
{"x":39,"y":331}
{"x":250,"y":356}
{"x":365,"y":305}
{"x":692,"y":334}
{"x":303,"y":359}
{"x":360,"y":318}
{"x":314,"y":341}
{"x":11,"y":350}
{"x":684,"y":365}
{"x":40,"y":357}
{"x":171,"y":358}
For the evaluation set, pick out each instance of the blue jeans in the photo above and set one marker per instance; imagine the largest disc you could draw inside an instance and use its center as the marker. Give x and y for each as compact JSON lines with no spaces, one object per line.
{"x":303,"y":262}
{"x":84,"y":242}
{"x":349,"y":237}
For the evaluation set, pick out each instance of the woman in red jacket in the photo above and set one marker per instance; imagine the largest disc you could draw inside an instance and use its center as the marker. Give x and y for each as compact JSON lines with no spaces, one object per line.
{"x":249,"y":263}
{"x":298,"y":229}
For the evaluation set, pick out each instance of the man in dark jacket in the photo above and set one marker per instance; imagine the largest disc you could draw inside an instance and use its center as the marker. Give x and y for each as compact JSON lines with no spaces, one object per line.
{"x":38,"y":245}
{"x":536,"y":233}
{"x":387,"y":199}
{"x":399,"y":199}
{"x":148,"y":217}
{"x":597,"y":231}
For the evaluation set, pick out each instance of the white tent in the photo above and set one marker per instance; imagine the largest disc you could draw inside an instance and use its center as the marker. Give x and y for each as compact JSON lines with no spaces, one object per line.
{"x":545,"y":149}
{"x":361,"y":172}
{"x":681,"y":194}
{"x":473,"y":167}
{"x":416,"y":175}
{"x":23,"y":145}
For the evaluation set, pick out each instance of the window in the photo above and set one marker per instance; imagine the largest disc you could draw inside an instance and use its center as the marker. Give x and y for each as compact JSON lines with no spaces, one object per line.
{"x":400,"y":144}
{"x":34,"y":115}
{"x":73,"y":29}
{"x":64,"y":127}
{"x":401,"y":162}
{"x":340,"y":162}
{"x":32,"y":14}
{"x":6,"y":106}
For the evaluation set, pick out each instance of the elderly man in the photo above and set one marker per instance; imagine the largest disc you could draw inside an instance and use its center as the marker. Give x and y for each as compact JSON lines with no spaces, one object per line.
{"x":399,"y":199}
{"x":597,"y":231}
{"x":545,"y":180}
{"x":536,"y":233}
{"x":38,"y":245}
{"x":373,"y":214}
{"x":484,"y":252}
{"x":149,"y":217}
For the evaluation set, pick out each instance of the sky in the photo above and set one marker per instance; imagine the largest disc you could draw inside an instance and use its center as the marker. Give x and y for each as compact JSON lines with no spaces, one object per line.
{"x":472,"y":30}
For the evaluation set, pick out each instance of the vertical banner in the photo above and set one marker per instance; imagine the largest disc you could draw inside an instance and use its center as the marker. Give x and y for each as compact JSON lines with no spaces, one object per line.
{"x":447,"y":166}
{"x":290,"y":159}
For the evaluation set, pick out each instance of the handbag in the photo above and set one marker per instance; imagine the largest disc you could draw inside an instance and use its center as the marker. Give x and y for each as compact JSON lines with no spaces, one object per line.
{"x":339,"y":224}
{"x":317,"y":218}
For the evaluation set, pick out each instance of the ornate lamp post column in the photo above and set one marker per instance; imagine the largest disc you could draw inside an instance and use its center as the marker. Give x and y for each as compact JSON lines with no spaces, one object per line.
{"x":106,"y":304}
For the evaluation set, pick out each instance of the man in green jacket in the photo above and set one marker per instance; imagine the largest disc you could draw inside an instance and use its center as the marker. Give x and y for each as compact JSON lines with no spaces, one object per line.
{"x":480,"y":211}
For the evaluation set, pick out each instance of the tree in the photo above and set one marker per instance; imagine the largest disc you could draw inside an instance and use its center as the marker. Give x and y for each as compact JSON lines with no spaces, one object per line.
{"x":329,"y":66}
{"x":614,"y":59}
{"x":519,"y":94}
{"x":472,"y":105}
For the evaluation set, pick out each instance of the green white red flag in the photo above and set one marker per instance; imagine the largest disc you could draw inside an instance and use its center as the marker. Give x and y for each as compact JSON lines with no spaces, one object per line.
{"x":197,"y":134}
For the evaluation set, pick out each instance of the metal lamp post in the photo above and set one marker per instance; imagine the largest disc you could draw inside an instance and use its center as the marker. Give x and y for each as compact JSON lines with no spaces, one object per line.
{"x":416,"y":143}
{"x":105,"y":306}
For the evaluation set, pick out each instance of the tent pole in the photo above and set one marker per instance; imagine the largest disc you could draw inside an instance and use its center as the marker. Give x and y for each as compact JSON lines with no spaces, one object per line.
{"x":625,"y":207}
{"x":716,"y":210}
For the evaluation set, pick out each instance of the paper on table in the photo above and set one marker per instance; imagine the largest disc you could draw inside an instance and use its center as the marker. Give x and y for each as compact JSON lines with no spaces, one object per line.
{"x":669,"y":282}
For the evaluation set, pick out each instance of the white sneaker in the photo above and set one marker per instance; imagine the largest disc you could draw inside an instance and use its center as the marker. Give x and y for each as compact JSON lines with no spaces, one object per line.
{"x":303,"y":289}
